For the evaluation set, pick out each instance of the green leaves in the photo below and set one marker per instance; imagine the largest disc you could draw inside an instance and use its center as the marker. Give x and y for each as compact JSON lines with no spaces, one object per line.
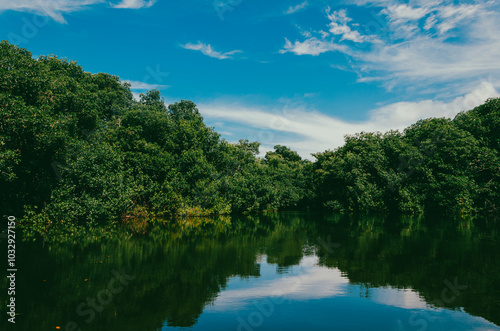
{"x":77,"y":146}
{"x":436,"y":165}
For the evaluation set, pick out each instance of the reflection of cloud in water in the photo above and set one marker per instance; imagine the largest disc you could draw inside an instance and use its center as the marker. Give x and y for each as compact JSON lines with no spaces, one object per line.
{"x":308,"y":281}
{"x":403,"y":298}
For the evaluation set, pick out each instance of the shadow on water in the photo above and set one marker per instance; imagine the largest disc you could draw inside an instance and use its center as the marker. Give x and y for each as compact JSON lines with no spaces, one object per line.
{"x":170,"y":274}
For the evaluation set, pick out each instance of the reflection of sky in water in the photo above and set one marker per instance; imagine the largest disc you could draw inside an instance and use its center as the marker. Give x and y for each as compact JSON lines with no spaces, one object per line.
{"x":312,"y":297}
{"x":303,"y":282}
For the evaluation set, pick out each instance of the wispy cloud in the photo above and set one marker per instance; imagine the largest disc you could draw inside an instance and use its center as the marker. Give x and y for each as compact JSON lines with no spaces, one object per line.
{"x":405,"y":21}
{"x":443,"y":51}
{"x":308,"y":131}
{"x":423,"y":43}
{"x":322,"y":42}
{"x":56,"y":8}
{"x":51,"y":8}
{"x":136,"y":85}
{"x":209,"y":51}
{"x":294,"y":9}
{"x":339,"y":26}
{"x":311,"y":46}
{"x":134,"y":4}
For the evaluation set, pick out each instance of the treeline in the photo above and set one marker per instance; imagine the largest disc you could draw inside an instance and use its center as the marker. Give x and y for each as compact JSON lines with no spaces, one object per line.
{"x":76,"y":148}
{"x":436,"y":165}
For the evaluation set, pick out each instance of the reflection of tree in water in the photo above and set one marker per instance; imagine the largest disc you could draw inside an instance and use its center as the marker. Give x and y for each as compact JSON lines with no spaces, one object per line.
{"x":424,"y":255}
{"x":179,"y":272}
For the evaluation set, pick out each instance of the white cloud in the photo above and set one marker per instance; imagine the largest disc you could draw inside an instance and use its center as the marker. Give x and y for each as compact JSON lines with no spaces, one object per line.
{"x":430,"y":22}
{"x":452,"y":15}
{"x":404,"y":20}
{"x":136,"y":85}
{"x":134,"y":4}
{"x":339,"y":26}
{"x":136,"y":96}
{"x":51,"y":8}
{"x":308,"y":131}
{"x":426,"y":60}
{"x":423,"y":44}
{"x":294,"y":9}
{"x":442,"y":43}
{"x":56,"y":8}
{"x":404,"y":13}
{"x":209,"y":51}
{"x":402,"y":114}
{"x":311,"y":46}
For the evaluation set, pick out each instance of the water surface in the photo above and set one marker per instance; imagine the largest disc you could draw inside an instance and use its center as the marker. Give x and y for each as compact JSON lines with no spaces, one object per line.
{"x":281,"y":271}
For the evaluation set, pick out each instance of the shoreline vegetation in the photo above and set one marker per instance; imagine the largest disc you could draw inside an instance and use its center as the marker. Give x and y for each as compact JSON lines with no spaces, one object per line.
{"x":79,"y":155}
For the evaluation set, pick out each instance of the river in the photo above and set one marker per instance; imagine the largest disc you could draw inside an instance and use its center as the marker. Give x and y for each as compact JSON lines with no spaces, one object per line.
{"x":278,"y":271}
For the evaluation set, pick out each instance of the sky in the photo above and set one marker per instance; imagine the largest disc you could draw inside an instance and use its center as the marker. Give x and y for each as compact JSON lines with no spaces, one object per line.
{"x":296,"y":73}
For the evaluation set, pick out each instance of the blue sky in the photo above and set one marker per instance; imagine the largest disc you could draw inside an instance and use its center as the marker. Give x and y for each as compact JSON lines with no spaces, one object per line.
{"x":295,"y":73}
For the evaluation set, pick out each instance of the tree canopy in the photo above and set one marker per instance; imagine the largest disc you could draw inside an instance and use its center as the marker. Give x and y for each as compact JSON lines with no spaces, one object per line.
{"x":76,"y":149}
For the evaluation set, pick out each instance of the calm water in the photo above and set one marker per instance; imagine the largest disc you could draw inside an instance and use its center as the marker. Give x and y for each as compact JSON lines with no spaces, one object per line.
{"x":285,"y":271}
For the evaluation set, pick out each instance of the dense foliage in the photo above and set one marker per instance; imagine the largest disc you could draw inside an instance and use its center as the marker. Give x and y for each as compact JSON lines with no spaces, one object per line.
{"x":436,"y":165}
{"x":77,"y":149}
